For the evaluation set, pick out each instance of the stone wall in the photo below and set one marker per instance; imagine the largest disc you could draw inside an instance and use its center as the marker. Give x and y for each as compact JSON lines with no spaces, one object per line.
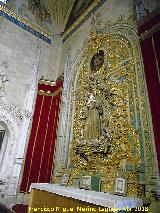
{"x":150,"y":6}
{"x":23,"y":60}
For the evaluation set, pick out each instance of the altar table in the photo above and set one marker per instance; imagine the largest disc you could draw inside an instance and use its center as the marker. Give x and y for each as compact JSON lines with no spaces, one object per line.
{"x":55,"y":198}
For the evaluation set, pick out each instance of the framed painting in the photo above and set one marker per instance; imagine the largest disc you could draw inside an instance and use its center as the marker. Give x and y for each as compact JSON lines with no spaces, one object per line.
{"x":85,"y":182}
{"x":76,"y":182}
{"x":65,"y":178}
{"x":95,"y":183}
{"x":120,"y":186}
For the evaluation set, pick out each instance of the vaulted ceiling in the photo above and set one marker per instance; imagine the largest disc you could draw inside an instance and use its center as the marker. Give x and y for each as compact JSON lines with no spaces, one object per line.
{"x":50,"y":17}
{"x":59,"y":11}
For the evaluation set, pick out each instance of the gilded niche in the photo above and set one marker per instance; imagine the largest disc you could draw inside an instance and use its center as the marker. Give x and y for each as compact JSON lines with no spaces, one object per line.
{"x":106,"y":139}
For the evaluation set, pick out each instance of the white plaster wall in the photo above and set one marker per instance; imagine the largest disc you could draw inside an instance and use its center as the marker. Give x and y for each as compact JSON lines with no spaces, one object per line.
{"x":112,"y":9}
{"x":151,"y":5}
{"x":19,"y":48}
{"x":55,"y":57}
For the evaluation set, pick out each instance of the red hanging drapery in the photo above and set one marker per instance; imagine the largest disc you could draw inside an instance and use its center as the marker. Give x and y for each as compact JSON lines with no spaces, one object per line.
{"x":149,"y":33}
{"x":41,"y":145}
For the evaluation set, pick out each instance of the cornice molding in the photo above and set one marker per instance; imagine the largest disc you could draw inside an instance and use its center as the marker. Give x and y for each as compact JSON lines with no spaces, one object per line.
{"x":82,"y":18}
{"x":25,"y":24}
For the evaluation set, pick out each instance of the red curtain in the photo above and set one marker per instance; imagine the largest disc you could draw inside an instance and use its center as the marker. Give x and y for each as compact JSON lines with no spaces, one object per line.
{"x":41,"y":146}
{"x":149,"y":32}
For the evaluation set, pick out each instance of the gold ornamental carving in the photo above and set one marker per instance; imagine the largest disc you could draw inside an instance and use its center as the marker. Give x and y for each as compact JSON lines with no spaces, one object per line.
{"x":105,"y":139}
{"x":110,"y":124}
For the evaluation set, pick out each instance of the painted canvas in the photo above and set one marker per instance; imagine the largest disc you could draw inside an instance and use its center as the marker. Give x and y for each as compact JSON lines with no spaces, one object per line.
{"x":38,"y":9}
{"x":78,"y":8}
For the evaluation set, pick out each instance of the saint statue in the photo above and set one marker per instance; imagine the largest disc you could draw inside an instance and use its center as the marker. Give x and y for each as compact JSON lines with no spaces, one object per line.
{"x":95,"y":134}
{"x":92,"y":128}
{"x":93,"y":123}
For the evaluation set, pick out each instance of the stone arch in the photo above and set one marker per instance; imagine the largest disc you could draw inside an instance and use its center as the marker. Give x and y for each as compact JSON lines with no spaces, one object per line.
{"x":12,"y":129}
{"x":3,"y":147}
{"x":131,"y":35}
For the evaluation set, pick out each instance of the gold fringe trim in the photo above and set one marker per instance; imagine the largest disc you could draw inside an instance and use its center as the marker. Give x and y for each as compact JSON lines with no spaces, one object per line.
{"x":149,"y":32}
{"x":48,"y":93}
{"x":47,"y":82}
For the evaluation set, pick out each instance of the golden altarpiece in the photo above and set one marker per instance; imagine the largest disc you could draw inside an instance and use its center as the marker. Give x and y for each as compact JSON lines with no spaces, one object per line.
{"x":109,"y":117}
